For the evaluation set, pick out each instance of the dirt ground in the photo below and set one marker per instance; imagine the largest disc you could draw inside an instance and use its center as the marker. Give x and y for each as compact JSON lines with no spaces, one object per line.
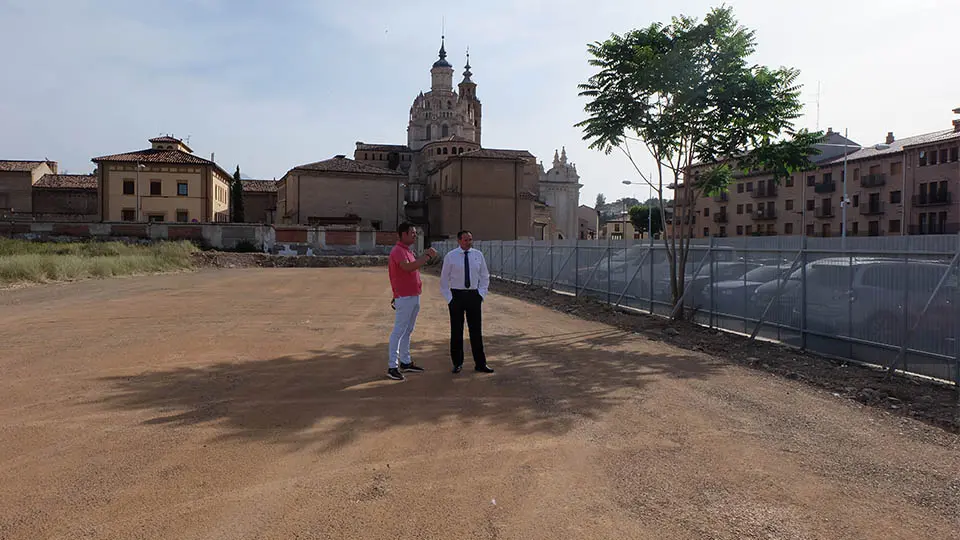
{"x":252,"y":403}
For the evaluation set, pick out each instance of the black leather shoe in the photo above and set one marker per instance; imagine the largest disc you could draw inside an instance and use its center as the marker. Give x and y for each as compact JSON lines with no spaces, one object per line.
{"x":456,"y":369}
{"x":484,"y":369}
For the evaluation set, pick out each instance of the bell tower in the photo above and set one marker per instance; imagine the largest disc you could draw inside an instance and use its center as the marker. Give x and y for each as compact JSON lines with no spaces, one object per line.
{"x":468,"y":97}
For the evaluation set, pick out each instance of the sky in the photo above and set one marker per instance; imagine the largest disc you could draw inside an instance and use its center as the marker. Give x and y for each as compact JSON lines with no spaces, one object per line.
{"x":272,"y":85}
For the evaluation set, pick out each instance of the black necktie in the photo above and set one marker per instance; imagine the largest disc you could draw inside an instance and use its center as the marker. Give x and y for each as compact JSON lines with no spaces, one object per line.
{"x":466,"y":271}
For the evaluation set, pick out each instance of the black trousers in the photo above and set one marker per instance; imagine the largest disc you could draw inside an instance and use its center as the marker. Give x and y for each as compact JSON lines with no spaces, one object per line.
{"x":466,"y":302}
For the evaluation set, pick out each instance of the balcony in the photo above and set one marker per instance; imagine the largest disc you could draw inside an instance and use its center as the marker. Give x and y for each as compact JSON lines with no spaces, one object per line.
{"x":872,"y":209}
{"x":767,"y":192}
{"x":720,"y":217}
{"x":940,"y":198}
{"x":825,"y":187}
{"x":873,"y":180}
{"x":723,"y":197}
{"x":824,"y":212}
{"x":765,"y":214}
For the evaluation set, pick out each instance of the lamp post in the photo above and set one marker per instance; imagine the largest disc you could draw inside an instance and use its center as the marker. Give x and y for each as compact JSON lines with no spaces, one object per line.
{"x":844,"y":202}
{"x":139,"y":166}
{"x":649,"y":214}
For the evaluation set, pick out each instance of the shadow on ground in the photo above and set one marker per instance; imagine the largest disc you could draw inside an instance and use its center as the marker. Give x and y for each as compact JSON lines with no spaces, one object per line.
{"x":332,"y":397}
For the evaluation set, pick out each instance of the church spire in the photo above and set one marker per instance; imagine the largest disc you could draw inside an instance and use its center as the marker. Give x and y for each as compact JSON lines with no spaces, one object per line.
{"x":442,"y":62}
{"x":466,"y":69}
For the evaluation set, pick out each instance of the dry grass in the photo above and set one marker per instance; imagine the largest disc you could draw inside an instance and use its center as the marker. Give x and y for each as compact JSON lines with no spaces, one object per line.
{"x":39,"y":262}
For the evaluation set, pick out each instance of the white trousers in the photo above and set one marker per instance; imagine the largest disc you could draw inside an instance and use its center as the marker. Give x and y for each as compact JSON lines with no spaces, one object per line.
{"x":408,"y":307}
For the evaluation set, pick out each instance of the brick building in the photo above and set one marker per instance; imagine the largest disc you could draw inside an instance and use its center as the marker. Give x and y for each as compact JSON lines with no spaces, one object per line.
{"x":259,"y":201}
{"x":896,"y":187}
{"x":17,"y":178}
{"x":65,"y":197}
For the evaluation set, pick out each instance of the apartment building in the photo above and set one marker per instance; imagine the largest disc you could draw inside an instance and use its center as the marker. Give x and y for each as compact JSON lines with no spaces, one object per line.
{"x":164,"y":183}
{"x":896,"y":187}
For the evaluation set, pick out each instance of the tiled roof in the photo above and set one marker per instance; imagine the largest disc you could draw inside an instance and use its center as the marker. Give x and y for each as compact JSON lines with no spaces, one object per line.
{"x":451,"y":138}
{"x":383,"y":147}
{"x":67,"y":181}
{"x":342,"y":164}
{"x":898,"y":146}
{"x":150,"y":155}
{"x":496,"y":154}
{"x":19,"y":166}
{"x":259,"y":186}
{"x":166,"y":139}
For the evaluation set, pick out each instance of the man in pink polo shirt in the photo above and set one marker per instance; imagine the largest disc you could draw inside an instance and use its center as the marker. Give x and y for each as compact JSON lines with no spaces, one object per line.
{"x":404,"y":269}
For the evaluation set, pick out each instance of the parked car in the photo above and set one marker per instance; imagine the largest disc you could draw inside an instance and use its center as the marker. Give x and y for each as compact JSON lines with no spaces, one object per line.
{"x":732,"y":297}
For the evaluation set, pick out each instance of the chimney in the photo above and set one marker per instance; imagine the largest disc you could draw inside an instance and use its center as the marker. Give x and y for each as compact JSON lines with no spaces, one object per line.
{"x":956,"y":126}
{"x":829,"y":131}
{"x":889,"y":137}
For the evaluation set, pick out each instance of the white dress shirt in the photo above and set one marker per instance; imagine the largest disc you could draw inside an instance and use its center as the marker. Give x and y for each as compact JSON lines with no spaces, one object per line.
{"x":452,"y":275}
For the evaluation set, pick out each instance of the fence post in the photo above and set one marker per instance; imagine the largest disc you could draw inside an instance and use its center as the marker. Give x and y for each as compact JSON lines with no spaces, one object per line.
{"x":803,"y":291}
{"x":532,"y":253}
{"x":653,"y":256}
{"x":712,"y":276}
{"x":551,"y":261}
{"x":609,"y":257}
{"x":576,"y":267}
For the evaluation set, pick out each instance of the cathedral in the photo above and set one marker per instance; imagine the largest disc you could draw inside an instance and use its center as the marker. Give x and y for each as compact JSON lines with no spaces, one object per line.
{"x":454,"y":182}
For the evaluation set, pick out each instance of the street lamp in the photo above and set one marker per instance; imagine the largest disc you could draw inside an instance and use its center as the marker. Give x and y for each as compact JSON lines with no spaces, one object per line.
{"x":649,"y":214}
{"x":139,"y":166}
{"x":844,"y":202}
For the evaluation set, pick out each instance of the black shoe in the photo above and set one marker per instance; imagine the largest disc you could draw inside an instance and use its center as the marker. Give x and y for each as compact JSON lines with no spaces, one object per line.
{"x":411,"y":367}
{"x":395,"y":374}
{"x":456,"y":369}
{"x":484,"y":369}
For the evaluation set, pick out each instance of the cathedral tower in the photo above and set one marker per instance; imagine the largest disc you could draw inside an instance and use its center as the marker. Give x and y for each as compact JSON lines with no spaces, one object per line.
{"x":469,"y":102}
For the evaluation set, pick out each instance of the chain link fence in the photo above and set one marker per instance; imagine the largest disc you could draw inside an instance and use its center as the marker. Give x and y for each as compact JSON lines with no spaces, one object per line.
{"x":886,"y":301}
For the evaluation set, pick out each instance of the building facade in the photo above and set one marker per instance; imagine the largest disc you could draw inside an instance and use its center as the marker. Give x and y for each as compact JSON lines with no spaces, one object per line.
{"x":896,"y":187}
{"x":259,"y":201}
{"x":341,"y":191}
{"x":589,"y":222}
{"x":17,"y":178}
{"x":164,"y":183}
{"x":65,"y":197}
{"x":560,"y":190}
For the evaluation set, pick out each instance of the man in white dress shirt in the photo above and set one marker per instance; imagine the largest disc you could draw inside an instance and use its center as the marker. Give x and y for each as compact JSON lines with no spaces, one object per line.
{"x":464,"y":282}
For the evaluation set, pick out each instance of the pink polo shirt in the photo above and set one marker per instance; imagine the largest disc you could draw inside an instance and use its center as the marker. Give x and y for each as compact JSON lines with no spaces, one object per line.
{"x":403,"y":283}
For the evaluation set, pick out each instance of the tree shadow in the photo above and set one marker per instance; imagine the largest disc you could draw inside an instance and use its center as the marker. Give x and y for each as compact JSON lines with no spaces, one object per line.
{"x":331,"y":397}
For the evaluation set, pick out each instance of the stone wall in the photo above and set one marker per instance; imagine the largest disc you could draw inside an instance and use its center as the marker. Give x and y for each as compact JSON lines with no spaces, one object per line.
{"x":275,"y":239}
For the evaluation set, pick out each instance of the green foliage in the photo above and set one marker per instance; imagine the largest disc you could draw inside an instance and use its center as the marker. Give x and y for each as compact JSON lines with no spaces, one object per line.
{"x":22,"y":261}
{"x":236,"y":198}
{"x":639,"y":218}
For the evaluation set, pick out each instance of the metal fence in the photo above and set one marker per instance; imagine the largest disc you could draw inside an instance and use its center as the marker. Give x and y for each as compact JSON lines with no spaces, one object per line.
{"x":888,"y":301}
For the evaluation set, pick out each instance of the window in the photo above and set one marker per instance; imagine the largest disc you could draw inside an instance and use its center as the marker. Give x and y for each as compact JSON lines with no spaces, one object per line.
{"x":739,"y":188}
{"x":827,"y":178}
{"x":895,"y":197}
{"x":739,"y":230}
{"x":749,"y":230}
{"x":810,"y":229}
{"x":444,"y":131}
{"x":923,"y":158}
{"x":706,"y":212}
{"x":444,"y":150}
{"x":788,"y":228}
{"x":811,"y":204}
{"x":749,"y":186}
{"x":739,"y":208}
{"x":376,"y":224}
{"x":156,"y":218}
{"x":955,"y":154}
{"x":943,"y":155}
{"x":932,"y":157}
{"x":182,"y":189}
{"x":856,"y":200}
{"x":723,"y":231}
{"x":894,"y":226}
{"x":129,"y":188}
{"x":790,"y":181}
{"x":855,"y":229}
{"x":183,"y":216}
{"x":706,"y":232}
{"x":896,"y":168}
{"x":749,"y":208}
{"x":789,"y":204}
{"x":155,"y":187}
{"x":128,"y":214}
{"x":811,"y":180}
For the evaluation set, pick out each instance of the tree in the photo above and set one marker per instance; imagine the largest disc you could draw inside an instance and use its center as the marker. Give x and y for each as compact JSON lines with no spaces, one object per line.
{"x":236,"y":197}
{"x":601,"y":200}
{"x":685,"y":93}
{"x":640,"y":217}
